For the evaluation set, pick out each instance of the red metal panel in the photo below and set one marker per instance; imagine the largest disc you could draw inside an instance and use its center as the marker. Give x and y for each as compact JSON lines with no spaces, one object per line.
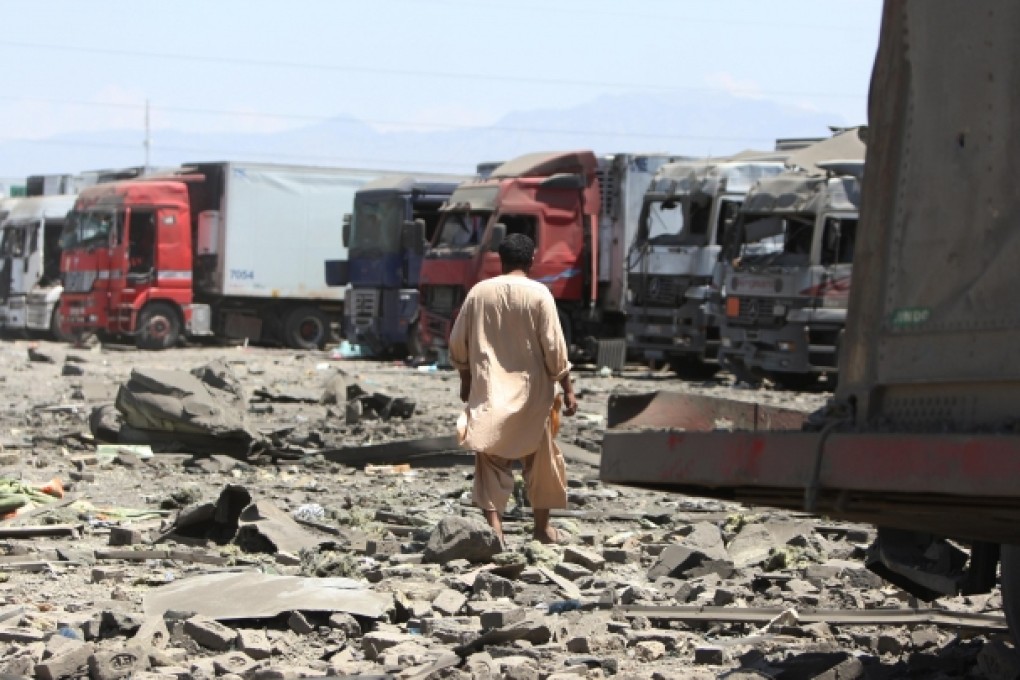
{"x":977,"y":466}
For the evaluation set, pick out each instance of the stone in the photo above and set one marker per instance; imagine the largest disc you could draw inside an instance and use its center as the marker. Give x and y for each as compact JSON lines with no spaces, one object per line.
{"x":619,"y":555}
{"x":751,"y":546}
{"x":449,"y":602}
{"x":112,"y":574}
{"x":848,"y":669}
{"x":67,"y":664}
{"x":209,"y":633}
{"x":502,"y":617}
{"x":347,"y":623}
{"x":492,"y":585}
{"x":649,"y":650}
{"x":924,"y":638}
{"x":300,"y":624}
{"x":72,"y":370}
{"x":122,"y":663}
{"x":254,"y":643}
{"x":585,"y":558}
{"x":236,"y":663}
{"x":153,"y":633}
{"x":570,"y":571}
{"x":375,"y":643}
{"x":889,"y":644}
{"x":518,"y":668}
{"x":674,"y":560}
{"x":461,"y":538}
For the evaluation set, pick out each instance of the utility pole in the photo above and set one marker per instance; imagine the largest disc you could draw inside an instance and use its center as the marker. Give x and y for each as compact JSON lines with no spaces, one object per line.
{"x":148,"y":139}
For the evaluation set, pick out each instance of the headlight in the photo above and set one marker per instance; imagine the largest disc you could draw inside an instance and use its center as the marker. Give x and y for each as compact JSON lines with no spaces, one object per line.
{"x":786,"y":346}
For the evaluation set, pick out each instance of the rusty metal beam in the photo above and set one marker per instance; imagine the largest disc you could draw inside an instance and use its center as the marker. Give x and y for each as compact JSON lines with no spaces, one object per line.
{"x":698,"y":413}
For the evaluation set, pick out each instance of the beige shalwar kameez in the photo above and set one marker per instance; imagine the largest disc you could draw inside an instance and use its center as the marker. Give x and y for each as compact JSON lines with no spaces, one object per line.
{"x":508,"y":335}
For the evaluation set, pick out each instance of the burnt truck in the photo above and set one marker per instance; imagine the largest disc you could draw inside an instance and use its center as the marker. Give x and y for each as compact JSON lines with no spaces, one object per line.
{"x":785,"y":273}
{"x":686,"y":213}
{"x":920,"y":438}
{"x":581,"y":210}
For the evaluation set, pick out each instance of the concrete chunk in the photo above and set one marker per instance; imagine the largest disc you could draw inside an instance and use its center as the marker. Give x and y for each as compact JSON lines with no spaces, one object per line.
{"x":585,"y":558}
{"x":123,"y":663}
{"x":449,"y":602}
{"x":209,"y":633}
{"x":68,"y":664}
{"x":254,"y":643}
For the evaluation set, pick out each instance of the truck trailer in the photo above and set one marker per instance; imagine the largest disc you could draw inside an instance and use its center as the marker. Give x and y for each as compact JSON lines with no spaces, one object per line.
{"x":393,"y":218}
{"x":227,"y":249}
{"x":920,"y":438}
{"x":688,"y":211}
{"x":582,"y":212}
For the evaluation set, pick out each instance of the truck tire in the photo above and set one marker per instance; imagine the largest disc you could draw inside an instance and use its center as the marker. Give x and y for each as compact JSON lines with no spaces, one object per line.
{"x":55,"y":330}
{"x":306,"y":328}
{"x":692,"y":368}
{"x":159,"y":326}
{"x":1009,"y":564}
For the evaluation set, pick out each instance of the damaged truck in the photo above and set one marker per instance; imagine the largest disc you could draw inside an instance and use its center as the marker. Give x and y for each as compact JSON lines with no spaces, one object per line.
{"x":582,"y":212}
{"x":225,"y":249}
{"x":921,"y":435}
{"x":30,"y":271}
{"x":688,"y":211}
{"x":786,"y":271}
{"x":394,"y":216}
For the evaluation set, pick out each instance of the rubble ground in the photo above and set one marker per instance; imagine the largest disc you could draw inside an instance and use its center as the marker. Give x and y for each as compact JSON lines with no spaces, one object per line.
{"x":327,"y":547}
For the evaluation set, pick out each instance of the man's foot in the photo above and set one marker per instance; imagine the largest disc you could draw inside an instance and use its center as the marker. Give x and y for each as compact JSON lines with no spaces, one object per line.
{"x":548,"y":536}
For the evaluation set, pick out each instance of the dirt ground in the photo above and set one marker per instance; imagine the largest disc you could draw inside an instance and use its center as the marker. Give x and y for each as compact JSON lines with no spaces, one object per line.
{"x":616,"y":601}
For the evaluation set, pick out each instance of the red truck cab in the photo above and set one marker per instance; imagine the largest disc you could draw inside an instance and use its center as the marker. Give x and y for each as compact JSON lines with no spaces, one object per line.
{"x":127,"y":261}
{"x":552,"y":197}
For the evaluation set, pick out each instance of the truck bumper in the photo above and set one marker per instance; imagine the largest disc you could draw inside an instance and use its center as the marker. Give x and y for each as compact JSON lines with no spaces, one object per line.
{"x":82,"y":314}
{"x":660,"y":333}
{"x":792,"y":348}
{"x":12,"y":314}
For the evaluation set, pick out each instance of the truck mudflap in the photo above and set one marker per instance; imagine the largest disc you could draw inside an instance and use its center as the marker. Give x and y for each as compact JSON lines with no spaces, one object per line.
{"x":961,"y":485}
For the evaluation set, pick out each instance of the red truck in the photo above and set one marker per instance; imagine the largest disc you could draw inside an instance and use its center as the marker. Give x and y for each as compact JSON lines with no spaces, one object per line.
{"x":921,"y":437}
{"x":233,"y":250}
{"x":581,"y":210}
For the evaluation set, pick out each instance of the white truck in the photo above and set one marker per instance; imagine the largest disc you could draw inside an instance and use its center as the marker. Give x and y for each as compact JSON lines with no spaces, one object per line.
{"x":30,"y":269}
{"x":687,"y":212}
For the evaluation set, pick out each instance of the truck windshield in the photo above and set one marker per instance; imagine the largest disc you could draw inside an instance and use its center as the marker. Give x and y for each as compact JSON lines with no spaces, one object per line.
{"x":376,"y":224}
{"x":776,"y":241}
{"x":87,"y":228}
{"x":462,"y":229}
{"x":14,"y":242}
{"x":665,"y":222}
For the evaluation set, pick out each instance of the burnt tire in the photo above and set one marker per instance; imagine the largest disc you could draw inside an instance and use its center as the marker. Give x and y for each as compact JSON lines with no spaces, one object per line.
{"x":1009,"y":563}
{"x":159,"y":327}
{"x":306,"y":328}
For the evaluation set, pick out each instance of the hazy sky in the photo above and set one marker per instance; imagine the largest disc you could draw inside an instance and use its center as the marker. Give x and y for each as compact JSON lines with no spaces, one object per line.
{"x":74,"y":66}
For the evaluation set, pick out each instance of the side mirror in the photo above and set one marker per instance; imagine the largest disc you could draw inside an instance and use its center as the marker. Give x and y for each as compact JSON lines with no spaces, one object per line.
{"x":564,"y":180}
{"x":412,"y":236}
{"x":347,"y":230}
{"x":498,"y":234}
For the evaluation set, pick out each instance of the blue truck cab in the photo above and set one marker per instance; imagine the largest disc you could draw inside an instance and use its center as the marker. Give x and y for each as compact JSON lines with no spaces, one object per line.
{"x":394,"y":217}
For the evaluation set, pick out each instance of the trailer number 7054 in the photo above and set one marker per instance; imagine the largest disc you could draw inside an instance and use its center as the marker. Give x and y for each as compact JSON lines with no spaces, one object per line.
{"x":242,"y":275}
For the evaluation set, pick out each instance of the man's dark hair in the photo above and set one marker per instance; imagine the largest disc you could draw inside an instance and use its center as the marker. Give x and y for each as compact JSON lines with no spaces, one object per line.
{"x":516,"y":252}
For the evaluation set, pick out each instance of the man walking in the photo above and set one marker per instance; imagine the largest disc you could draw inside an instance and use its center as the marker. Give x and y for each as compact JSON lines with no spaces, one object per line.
{"x":508,"y":346}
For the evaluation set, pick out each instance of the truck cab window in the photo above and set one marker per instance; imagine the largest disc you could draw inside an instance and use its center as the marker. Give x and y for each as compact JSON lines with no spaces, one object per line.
{"x":142,"y":242}
{"x":728,"y":212}
{"x":521,"y":224}
{"x":838,"y":241}
{"x":460,"y":229}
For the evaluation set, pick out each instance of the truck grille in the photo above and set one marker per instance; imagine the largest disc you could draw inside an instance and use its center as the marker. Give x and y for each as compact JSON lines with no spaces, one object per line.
{"x":755,"y":311}
{"x":364,"y":304}
{"x":79,"y":281}
{"x":442,"y":299}
{"x":663,"y":291}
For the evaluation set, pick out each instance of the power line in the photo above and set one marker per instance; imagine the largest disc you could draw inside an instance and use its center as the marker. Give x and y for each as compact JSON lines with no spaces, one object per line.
{"x":408,"y":124}
{"x":207,"y":59}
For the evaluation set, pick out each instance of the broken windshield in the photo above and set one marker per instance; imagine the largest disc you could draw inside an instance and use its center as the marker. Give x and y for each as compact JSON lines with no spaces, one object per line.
{"x":772,"y":240}
{"x":664,"y":222}
{"x":462,"y":229}
{"x":376,"y":224}
{"x":14,"y":240}
{"x":87,"y":228}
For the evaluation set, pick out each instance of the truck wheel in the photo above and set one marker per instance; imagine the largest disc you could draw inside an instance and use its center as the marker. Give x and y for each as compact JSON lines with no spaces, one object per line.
{"x":306,"y":328}
{"x":159,"y":327}
{"x":692,"y":368}
{"x":1009,"y":563}
{"x":58,"y":334}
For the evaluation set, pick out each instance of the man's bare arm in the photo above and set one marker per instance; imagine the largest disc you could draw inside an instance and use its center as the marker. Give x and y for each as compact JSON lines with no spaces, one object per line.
{"x":569,"y":398}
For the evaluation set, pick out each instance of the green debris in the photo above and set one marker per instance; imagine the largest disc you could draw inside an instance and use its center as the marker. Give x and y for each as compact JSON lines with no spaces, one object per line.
{"x":181,"y":498}
{"x":541,"y":555}
{"x":329,"y":563}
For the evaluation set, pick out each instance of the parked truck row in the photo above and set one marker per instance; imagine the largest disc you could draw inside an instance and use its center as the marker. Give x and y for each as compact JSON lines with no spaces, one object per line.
{"x":649,"y":256}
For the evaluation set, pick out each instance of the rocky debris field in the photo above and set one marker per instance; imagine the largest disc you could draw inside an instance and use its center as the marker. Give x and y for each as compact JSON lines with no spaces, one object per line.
{"x":259,"y":513}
